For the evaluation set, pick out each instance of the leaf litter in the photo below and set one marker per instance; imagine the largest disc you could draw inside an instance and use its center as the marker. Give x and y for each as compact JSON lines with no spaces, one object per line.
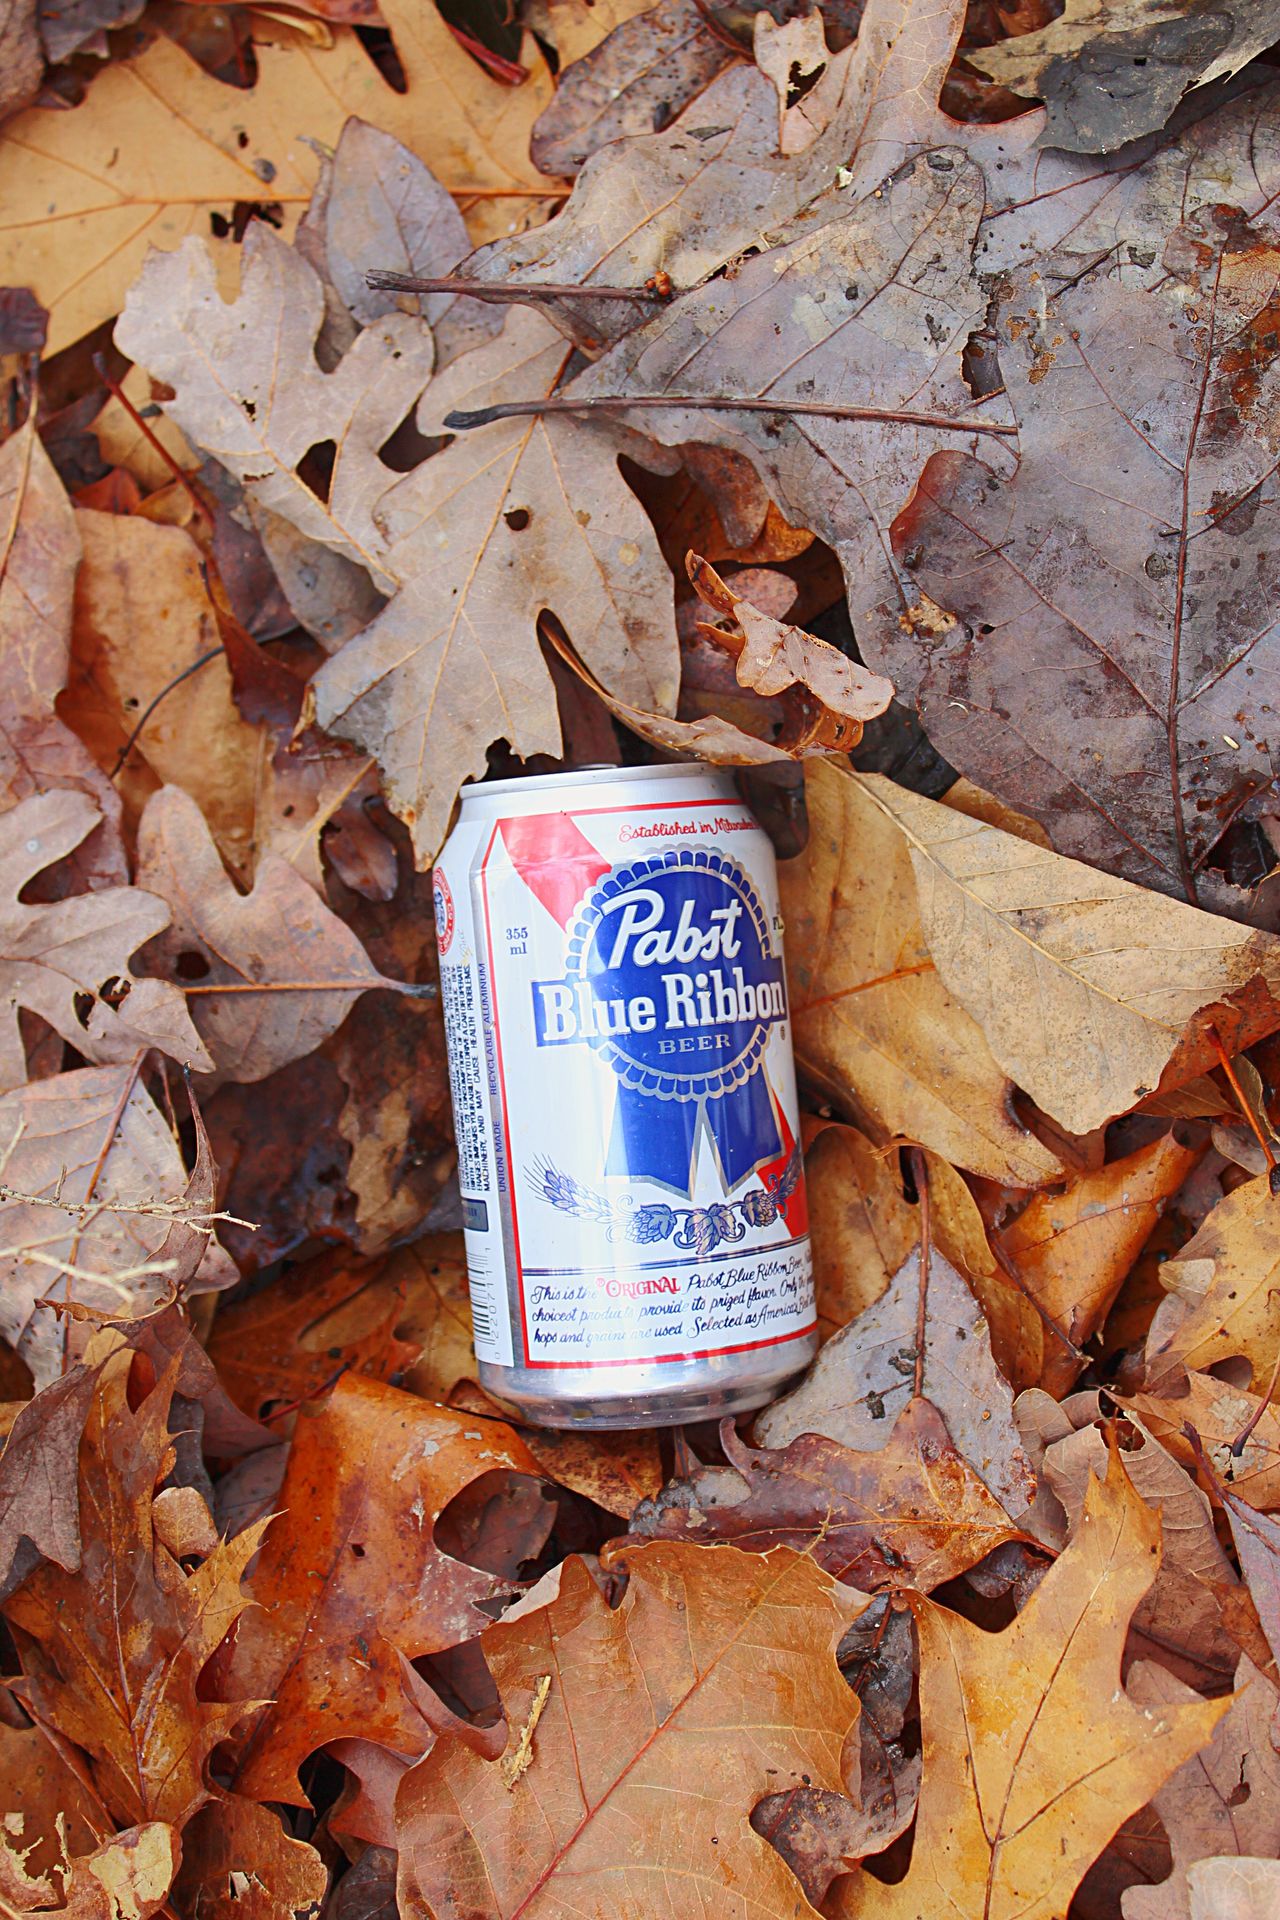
{"x":816,"y":403}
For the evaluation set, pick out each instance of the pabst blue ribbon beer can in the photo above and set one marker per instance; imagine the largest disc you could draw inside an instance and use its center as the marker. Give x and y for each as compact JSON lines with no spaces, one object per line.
{"x":624,"y":1097}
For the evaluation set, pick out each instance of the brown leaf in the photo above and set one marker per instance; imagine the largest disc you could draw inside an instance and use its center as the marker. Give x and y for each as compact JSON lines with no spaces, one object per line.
{"x":1220,"y":1292}
{"x":862,"y":1227}
{"x":97,"y":1208}
{"x":863,"y":1376}
{"x":282,"y":1160}
{"x":772,"y":657}
{"x":21,"y":59}
{"x":1073,"y":64}
{"x":238,"y":1863}
{"x":635,"y":81}
{"x":1234,"y":1889}
{"x":290,"y":1341}
{"x":1072,"y":1246}
{"x":499,"y":511}
{"x":437,"y":1312}
{"x":37,"y":1786}
{"x":1219,"y":1413}
{"x":39,"y":553}
{"x":68,"y":960}
{"x":1224,"y":1801}
{"x":129,"y":1874}
{"x":113,"y":1653}
{"x":1058,"y":1754}
{"x":712,"y":1683}
{"x":273,"y":972}
{"x":914,"y":1512}
{"x":874,"y":1024}
{"x":39,"y":1490}
{"x":1257,"y":1544}
{"x":351,"y":1586}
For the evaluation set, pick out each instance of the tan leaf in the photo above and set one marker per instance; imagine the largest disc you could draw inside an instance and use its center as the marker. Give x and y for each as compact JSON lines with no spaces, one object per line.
{"x":1084,"y":985}
{"x":39,"y":552}
{"x":280,"y":970}
{"x":874,"y":1023}
{"x":36,"y":1786}
{"x":1219,"y":1413}
{"x":96,"y":1208}
{"x":113,"y":1653}
{"x":150,"y":156}
{"x":437,"y":1312}
{"x":39,"y":1491}
{"x":794,"y":53}
{"x":1234,"y":1889}
{"x":143,"y":617}
{"x":68,"y":960}
{"x":1057,"y":1754}
{"x":864,"y":1376}
{"x":126,"y":1878}
{"x":1073,"y":1246}
{"x":1222,"y":1288}
{"x":861,"y":1226}
{"x":351,"y":1585}
{"x":238,"y":1863}
{"x":711,"y":1684}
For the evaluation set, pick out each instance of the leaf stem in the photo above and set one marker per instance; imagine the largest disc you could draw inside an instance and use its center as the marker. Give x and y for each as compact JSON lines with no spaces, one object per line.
{"x":920,"y":1174}
{"x":462,"y":420}
{"x":527,"y":290}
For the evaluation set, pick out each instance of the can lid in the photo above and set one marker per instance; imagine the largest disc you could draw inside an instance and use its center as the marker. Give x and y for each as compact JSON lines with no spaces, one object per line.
{"x":592,"y":776}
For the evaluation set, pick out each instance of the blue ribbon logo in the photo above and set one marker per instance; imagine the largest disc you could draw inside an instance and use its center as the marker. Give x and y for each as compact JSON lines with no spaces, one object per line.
{"x":672,"y":978}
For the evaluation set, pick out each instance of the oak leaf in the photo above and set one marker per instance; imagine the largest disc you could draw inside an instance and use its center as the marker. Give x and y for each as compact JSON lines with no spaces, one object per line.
{"x":1081,"y":64}
{"x":40,"y":1789}
{"x":39,"y":553}
{"x":1225,"y":1800}
{"x":912,"y":1512}
{"x":238,"y":1863}
{"x":129,"y":1874}
{"x":162,"y":146}
{"x":874,"y":1023}
{"x":68,"y":960}
{"x":271,"y":973}
{"x":39,"y":1487}
{"x":1219,"y":1413}
{"x":97,"y":1207}
{"x":1220,"y":1286}
{"x":863,"y":1377}
{"x":1088,"y":988}
{"x":351,"y":1585}
{"x":639,"y":1739}
{"x":1057,"y":1754}
{"x":114,"y":1652}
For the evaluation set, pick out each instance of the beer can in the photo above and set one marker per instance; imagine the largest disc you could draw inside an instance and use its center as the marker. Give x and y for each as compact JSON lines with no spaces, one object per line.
{"x":624,"y":1097}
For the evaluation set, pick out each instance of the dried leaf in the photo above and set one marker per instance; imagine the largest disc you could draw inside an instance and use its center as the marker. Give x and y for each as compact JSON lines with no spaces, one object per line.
{"x":712,"y":1683}
{"x":914,"y":1512}
{"x":1224,"y":1801}
{"x":161,"y":146}
{"x":68,"y":960}
{"x":113,"y":1653}
{"x":809,"y":79}
{"x":1072,"y":1247}
{"x":1082,"y":65}
{"x":864,"y":1375}
{"x":436,"y":1317}
{"x":39,"y":1490}
{"x":635,"y":81}
{"x":38,"y":558}
{"x":1220,"y":1292}
{"x":351,"y":1586}
{"x":37,"y":1787}
{"x":281,"y":938}
{"x":1085,"y":986}
{"x":1219,"y":1412}
{"x":238,"y":1863}
{"x":874,"y":1024}
{"x":129,"y":1874}
{"x":1058,"y":1754}
{"x":1234,"y":1889}
{"x":862,"y":1227}
{"x":96,"y":1199}
{"x":21,"y":59}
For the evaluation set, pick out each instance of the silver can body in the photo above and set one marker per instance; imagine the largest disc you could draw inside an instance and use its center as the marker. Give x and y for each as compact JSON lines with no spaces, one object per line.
{"x":624,"y":1097}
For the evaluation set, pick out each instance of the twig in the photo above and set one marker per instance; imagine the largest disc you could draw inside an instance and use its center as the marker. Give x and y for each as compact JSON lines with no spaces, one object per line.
{"x":920,"y":1174}
{"x":117,"y":391}
{"x":460,"y":421}
{"x":1241,"y":1440}
{"x":163,"y":1209}
{"x":389,"y":282}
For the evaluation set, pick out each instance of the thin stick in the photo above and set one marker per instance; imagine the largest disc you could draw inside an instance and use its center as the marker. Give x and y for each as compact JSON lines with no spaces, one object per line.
{"x":1242,"y":1438}
{"x":114,"y":388}
{"x":507,"y":290}
{"x":920,"y":1174}
{"x":463,"y":419}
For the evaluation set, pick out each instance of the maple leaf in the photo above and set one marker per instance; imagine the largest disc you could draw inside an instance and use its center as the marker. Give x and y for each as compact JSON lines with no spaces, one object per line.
{"x":351,"y":1585}
{"x":863,"y":1378}
{"x":639,"y":1739}
{"x":477,"y":541}
{"x":280,"y":970}
{"x":162,"y":146}
{"x":1082,"y":65}
{"x":914,"y":1510}
{"x":38,"y":558}
{"x":68,"y":960}
{"x":1087,"y":988}
{"x":1057,"y":1754}
{"x":872,"y":1018}
{"x":98,"y":1208}
{"x":114,"y":1651}
{"x":130,"y":1873}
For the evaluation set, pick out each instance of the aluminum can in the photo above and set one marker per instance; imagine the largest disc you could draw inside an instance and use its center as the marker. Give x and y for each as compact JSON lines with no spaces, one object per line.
{"x":624,"y":1097}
